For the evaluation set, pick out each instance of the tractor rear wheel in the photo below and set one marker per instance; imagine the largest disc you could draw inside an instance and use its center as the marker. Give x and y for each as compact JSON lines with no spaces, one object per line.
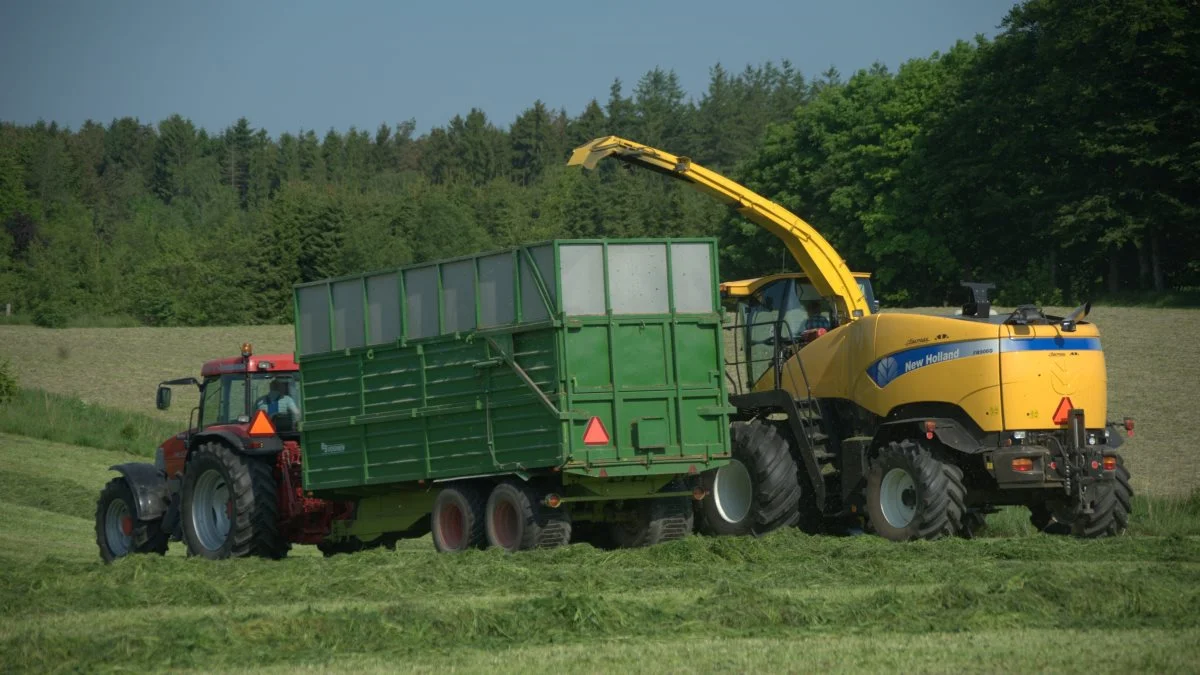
{"x":758,"y":491}
{"x":913,"y":493}
{"x":457,"y":519}
{"x":229,"y":505}
{"x":118,"y":530}
{"x":515,"y":520}
{"x":655,"y":521}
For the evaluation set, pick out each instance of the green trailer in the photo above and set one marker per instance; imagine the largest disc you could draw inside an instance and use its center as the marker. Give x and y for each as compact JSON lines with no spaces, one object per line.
{"x":516,"y":397}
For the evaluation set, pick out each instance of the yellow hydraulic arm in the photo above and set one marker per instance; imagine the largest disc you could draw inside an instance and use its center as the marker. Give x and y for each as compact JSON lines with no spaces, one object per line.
{"x":821,"y":263}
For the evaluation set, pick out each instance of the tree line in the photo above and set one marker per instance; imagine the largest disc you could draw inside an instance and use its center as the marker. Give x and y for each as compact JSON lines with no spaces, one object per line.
{"x":1059,"y":160}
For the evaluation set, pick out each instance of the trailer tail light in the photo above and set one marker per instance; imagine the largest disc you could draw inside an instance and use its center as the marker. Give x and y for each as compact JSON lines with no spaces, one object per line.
{"x":552,"y":500}
{"x":1022,"y":464}
{"x":699,"y":494}
{"x":1110,"y":463}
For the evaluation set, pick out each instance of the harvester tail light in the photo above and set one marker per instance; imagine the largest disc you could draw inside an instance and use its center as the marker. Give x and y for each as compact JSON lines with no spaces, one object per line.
{"x":1129,"y":426}
{"x":1022,"y":464}
{"x":1110,"y":463}
{"x":595,"y":433}
{"x":261,"y":426}
{"x":930,"y":425}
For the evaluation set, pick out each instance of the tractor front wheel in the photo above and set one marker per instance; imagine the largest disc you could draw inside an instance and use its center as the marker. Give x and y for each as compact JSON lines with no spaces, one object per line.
{"x":118,"y":530}
{"x":229,"y":505}
{"x":912,"y":493}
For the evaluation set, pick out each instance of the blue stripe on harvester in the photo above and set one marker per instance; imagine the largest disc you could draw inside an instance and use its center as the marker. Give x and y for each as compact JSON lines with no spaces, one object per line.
{"x":1048,"y":344}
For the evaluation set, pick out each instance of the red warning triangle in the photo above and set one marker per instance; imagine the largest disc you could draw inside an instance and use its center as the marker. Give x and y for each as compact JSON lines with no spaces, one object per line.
{"x":595,"y":434}
{"x":1064,"y":411}
{"x":261,"y":426}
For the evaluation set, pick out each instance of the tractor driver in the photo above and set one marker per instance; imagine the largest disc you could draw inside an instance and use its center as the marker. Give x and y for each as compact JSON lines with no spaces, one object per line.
{"x":277,"y":400}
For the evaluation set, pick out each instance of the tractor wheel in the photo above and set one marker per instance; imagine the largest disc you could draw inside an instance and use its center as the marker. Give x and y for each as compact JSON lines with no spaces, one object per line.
{"x":655,"y":521}
{"x":229,"y":505}
{"x":118,"y":529}
{"x":1109,"y":516}
{"x":457,"y":519}
{"x":914,"y":494}
{"x":758,"y":491}
{"x":515,"y":520}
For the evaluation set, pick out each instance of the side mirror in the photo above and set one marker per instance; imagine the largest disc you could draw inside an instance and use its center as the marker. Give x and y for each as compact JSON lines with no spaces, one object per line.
{"x":163,"y":400}
{"x":875,"y":307}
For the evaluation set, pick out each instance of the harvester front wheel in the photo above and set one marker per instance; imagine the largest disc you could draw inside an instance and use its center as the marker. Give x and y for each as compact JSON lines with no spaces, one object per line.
{"x":516,"y":520}
{"x":229,"y":505}
{"x":118,"y":530}
{"x":758,"y":491}
{"x":457,"y":519}
{"x":912,"y":493}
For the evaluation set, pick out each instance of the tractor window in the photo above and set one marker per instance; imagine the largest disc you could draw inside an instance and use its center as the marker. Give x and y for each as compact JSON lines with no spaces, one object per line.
{"x":225,"y":398}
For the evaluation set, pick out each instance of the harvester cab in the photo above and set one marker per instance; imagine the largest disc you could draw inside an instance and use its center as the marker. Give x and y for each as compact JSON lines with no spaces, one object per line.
{"x":911,"y":425}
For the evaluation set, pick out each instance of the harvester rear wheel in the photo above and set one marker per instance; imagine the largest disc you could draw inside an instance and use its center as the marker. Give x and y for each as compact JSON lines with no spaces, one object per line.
{"x":655,"y":521}
{"x":1109,"y":516}
{"x":912,"y":493}
{"x":229,"y":505}
{"x":516,"y":520}
{"x":457,"y":519}
{"x":758,"y":491}
{"x":118,"y":529}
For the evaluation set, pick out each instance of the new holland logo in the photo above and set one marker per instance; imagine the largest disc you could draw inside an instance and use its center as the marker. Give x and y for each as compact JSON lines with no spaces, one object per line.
{"x":886,"y":371}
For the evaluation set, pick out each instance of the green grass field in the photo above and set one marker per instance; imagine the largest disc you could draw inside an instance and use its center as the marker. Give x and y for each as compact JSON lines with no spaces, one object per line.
{"x":1012,"y":601}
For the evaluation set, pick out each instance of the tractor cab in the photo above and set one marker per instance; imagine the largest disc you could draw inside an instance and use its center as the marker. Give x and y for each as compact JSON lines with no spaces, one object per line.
{"x":778,"y":314}
{"x":234,"y":389}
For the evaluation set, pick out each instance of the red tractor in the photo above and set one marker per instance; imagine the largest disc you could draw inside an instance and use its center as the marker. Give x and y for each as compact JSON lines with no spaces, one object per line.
{"x":229,"y":486}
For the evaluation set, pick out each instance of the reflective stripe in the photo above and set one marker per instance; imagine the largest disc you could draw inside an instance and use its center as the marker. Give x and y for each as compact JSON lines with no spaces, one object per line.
{"x":1049,"y":344}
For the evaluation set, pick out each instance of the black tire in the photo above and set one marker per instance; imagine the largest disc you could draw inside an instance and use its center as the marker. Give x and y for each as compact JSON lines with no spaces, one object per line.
{"x":515,"y":520}
{"x":118,"y":530}
{"x":913,"y":493}
{"x":251,"y":510}
{"x":974,"y":523}
{"x":655,"y":521}
{"x":457,"y":519}
{"x":766,"y":457}
{"x":1109,"y":516}
{"x":1042,"y":518}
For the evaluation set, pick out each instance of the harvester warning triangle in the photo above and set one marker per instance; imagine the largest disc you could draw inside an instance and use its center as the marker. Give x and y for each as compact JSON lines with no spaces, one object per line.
{"x":261,"y":426}
{"x":595,"y":434}
{"x":1064,"y":411}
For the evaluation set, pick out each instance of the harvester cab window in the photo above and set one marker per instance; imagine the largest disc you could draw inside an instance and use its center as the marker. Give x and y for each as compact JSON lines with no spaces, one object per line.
{"x":805,"y":309}
{"x":762,"y":322}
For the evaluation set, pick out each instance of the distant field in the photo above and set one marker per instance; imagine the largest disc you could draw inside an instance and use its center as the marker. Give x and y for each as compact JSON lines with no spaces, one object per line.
{"x":785,"y":602}
{"x":1153,"y":359}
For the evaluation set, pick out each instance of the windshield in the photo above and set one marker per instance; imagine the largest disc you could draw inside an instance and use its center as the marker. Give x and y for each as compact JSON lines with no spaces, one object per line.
{"x":278,"y":394}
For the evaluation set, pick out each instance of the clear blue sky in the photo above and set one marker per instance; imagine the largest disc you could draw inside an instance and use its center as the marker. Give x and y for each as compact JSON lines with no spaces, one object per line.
{"x":297,"y":65}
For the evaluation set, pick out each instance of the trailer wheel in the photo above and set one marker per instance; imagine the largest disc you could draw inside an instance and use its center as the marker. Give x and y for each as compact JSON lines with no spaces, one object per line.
{"x":516,"y":521}
{"x":118,"y":529}
{"x":655,"y":521}
{"x":229,"y":505}
{"x":457,"y":519}
{"x":914,"y":494}
{"x":758,"y":491}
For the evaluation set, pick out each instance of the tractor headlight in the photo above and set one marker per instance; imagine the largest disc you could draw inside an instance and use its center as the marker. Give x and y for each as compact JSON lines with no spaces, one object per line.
{"x":160,"y":462}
